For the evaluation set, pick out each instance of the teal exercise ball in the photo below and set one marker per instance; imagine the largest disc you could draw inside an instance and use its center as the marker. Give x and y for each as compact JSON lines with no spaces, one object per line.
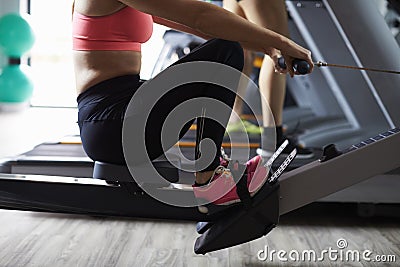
{"x":16,"y":36}
{"x":15,"y":85}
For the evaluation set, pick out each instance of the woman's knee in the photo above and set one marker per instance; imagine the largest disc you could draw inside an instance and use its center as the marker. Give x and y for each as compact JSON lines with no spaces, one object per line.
{"x":232,"y":53}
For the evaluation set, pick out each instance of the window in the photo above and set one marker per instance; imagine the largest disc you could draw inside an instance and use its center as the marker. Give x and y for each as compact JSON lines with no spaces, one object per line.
{"x":51,"y":57}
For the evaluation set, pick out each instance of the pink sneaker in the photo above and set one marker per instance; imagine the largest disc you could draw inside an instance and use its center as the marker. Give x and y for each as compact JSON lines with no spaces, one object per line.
{"x":221,"y":190}
{"x":223,"y":162}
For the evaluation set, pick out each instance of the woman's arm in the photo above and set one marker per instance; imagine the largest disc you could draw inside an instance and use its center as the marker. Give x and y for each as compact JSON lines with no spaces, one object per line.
{"x":216,"y":22}
{"x":179,"y":27}
{"x":183,"y":28}
{"x":207,"y":19}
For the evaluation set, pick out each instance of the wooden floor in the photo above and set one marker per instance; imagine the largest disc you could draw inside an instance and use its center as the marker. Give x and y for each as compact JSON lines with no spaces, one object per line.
{"x":44,"y":239}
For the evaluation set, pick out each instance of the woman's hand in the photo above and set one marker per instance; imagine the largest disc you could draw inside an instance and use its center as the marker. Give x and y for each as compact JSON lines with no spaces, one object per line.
{"x":290,"y":51}
{"x":275,"y":54}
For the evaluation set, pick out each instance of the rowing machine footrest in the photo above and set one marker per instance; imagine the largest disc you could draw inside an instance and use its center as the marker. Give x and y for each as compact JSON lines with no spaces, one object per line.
{"x":243,"y":225}
{"x":120,"y":173}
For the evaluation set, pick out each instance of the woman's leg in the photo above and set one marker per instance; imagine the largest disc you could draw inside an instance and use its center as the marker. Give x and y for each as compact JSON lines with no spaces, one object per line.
{"x":216,"y":50}
{"x":271,"y":15}
{"x":234,"y":7}
{"x":102,"y":109}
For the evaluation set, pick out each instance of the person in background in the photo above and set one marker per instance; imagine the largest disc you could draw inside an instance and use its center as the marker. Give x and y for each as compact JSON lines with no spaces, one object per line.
{"x":271,"y":15}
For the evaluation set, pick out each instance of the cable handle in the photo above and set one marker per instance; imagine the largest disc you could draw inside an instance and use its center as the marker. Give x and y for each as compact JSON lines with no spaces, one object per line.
{"x":300,"y":66}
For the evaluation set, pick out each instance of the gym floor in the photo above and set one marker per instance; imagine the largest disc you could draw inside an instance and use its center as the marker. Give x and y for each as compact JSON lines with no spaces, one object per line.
{"x":45,"y":239}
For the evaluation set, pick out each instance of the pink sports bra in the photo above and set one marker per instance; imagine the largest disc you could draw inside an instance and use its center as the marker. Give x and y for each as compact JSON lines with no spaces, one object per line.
{"x":125,"y":29}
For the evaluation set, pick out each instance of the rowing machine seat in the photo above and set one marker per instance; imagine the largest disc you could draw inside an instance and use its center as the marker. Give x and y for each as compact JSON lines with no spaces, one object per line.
{"x":120,"y":173}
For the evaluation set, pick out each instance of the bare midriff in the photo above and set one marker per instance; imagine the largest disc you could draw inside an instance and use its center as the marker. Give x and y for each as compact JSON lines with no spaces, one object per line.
{"x":92,"y":67}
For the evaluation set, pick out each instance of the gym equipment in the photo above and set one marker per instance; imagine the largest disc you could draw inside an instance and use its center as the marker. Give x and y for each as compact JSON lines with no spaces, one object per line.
{"x":66,"y":157}
{"x":112,"y":191}
{"x":325,"y":64}
{"x":15,"y":86}
{"x":116,"y":196}
{"x":338,"y":106}
{"x":392,"y":18}
{"x":16,"y":38}
{"x":302,"y":67}
{"x":345,"y":107}
{"x":63,"y":158}
{"x":176,"y":43}
{"x":301,"y":186}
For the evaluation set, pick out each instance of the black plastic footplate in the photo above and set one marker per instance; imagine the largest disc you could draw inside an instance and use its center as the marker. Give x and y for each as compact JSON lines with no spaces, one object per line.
{"x":242,"y":224}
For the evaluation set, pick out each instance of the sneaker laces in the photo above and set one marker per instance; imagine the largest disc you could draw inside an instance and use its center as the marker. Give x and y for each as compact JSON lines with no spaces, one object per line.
{"x":220,"y":172}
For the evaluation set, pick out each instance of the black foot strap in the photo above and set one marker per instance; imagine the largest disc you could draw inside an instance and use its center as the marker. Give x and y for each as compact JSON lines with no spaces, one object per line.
{"x":241,"y":225}
{"x":243,"y":192}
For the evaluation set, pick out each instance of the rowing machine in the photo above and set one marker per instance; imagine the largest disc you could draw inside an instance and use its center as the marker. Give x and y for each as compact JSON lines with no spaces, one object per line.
{"x":335,"y":171}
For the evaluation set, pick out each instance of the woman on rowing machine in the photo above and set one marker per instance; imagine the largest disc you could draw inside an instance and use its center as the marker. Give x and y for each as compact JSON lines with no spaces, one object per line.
{"x":107,"y":38}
